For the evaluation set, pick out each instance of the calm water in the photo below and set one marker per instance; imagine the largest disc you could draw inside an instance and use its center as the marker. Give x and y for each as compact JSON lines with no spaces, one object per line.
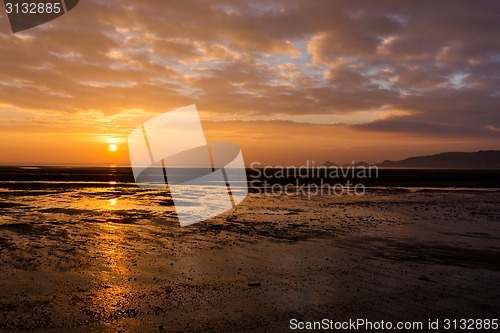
{"x":32,"y":194}
{"x":28,"y":195}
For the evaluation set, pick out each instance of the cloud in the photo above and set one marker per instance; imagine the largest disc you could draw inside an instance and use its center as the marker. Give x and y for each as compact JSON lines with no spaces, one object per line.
{"x":437,"y":63}
{"x":433,"y":130}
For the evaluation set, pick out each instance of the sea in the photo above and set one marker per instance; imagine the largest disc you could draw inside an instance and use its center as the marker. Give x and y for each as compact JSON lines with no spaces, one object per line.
{"x":109,"y":194}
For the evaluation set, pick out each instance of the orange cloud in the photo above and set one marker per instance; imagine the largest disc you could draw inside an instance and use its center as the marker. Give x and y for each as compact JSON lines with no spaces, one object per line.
{"x":390,"y":74}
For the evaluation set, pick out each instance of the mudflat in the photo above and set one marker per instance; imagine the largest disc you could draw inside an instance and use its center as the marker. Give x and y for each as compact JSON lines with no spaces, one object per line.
{"x":391,"y":254}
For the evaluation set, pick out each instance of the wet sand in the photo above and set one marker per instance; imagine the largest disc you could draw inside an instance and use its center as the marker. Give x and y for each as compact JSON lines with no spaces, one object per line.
{"x":389,"y":255}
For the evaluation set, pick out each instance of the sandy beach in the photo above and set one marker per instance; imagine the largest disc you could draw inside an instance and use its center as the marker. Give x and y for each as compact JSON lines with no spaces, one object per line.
{"x":392,"y":255}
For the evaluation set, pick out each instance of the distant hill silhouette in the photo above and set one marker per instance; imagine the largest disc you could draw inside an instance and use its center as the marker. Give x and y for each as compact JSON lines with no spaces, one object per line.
{"x":484,"y":159}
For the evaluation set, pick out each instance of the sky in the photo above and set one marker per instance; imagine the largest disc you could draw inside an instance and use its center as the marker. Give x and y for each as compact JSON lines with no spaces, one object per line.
{"x":290,"y":81}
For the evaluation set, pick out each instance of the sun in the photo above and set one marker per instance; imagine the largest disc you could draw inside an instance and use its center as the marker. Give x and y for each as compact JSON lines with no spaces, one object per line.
{"x":113,"y":147}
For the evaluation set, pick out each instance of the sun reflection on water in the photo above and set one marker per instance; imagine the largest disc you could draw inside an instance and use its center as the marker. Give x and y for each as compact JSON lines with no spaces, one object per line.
{"x":113,"y":293}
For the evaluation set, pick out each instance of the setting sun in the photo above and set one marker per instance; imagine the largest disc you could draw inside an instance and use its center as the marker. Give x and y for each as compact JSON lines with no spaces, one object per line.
{"x":113,"y":147}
